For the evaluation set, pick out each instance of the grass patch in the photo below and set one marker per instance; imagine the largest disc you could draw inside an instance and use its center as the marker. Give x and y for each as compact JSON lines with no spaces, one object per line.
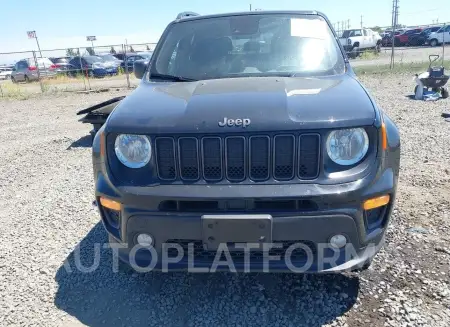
{"x":412,"y":68}
{"x":369,"y":55}
{"x":13,"y":91}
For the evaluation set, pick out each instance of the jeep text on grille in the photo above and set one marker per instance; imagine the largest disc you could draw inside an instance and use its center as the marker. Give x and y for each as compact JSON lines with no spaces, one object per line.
{"x":235,"y":122}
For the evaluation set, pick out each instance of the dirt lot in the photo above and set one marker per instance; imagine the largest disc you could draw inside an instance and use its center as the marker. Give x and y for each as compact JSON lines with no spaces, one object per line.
{"x":46,"y":193}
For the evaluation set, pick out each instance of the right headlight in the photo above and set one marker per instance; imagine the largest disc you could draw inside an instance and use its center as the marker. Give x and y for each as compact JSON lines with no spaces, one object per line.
{"x":134,"y":151}
{"x":347,"y":146}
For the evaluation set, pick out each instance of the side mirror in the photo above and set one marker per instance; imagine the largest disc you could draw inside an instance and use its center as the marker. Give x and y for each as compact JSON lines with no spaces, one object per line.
{"x":14,"y":69}
{"x":139,"y":68}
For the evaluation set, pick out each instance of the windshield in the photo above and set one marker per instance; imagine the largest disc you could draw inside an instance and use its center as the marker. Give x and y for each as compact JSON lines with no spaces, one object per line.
{"x":147,"y":55}
{"x":252,"y":45}
{"x":61,"y":60}
{"x":109,"y":57}
{"x":92,"y":59}
{"x":350,"y":33}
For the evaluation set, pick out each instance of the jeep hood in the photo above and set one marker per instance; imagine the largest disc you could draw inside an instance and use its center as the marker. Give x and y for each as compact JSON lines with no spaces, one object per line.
{"x":271,"y":104}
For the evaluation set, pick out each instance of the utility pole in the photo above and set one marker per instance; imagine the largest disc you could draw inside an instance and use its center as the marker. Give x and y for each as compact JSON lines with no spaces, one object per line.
{"x":361,"y":21}
{"x":394,"y":26}
{"x":348,"y":23}
{"x":250,"y":7}
{"x":33,"y":35}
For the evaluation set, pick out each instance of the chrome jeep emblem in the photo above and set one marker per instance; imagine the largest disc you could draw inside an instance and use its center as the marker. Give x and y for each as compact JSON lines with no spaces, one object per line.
{"x":244,"y":122}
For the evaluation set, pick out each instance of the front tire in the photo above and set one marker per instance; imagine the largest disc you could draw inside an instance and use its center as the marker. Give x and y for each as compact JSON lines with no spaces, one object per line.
{"x":378,"y":48}
{"x":27,"y":79}
{"x":434,"y":42}
{"x":444,"y":93}
{"x":354,"y":53}
{"x":13,"y":80}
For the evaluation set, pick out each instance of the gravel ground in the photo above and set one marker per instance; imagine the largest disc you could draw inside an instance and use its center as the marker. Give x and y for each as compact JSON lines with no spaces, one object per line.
{"x":46,"y":193}
{"x":402,"y":55}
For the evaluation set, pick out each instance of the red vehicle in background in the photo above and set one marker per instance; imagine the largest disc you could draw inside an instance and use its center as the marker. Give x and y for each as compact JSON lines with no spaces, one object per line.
{"x":403,"y":38}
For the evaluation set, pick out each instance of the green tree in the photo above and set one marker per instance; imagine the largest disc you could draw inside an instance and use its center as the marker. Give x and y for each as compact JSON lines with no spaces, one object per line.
{"x":112,"y":51}
{"x":376,"y":29}
{"x":148,"y":48}
{"x":131,"y":49}
{"x":90,"y":51}
{"x":70,"y":52}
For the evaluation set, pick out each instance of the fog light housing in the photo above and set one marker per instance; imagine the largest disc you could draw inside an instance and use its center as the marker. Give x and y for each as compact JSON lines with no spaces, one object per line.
{"x":144,"y":240}
{"x":338,"y":241}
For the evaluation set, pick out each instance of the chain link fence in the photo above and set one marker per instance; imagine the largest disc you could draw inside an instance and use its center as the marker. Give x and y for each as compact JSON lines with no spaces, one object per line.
{"x":70,"y":70}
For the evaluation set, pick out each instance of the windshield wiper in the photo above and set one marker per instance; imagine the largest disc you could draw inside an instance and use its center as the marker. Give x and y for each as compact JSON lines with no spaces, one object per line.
{"x":165,"y":77}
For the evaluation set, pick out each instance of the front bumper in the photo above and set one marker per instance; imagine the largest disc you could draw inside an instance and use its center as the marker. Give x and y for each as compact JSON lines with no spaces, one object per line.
{"x":306,"y":215}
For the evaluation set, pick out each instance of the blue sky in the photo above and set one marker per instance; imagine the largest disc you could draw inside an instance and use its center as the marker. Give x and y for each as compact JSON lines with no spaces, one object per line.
{"x":62,"y":23}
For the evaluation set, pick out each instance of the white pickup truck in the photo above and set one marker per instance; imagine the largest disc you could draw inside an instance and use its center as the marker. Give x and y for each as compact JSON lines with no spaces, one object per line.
{"x":358,"y":40}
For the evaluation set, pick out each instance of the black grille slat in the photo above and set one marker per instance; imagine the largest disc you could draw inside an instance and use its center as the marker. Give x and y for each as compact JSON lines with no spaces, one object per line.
{"x":235,"y":158}
{"x":212,"y":158}
{"x":188,"y":158}
{"x":259,"y":158}
{"x":165,"y":156}
{"x":309,"y":150}
{"x":284,"y":156}
{"x":299,"y":251}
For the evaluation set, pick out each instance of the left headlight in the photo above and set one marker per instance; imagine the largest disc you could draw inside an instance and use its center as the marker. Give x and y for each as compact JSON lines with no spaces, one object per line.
{"x":134,"y":151}
{"x":347,"y":146}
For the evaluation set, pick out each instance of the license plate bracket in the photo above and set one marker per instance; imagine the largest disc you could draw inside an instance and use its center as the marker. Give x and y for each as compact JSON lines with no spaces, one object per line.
{"x":217,"y":229}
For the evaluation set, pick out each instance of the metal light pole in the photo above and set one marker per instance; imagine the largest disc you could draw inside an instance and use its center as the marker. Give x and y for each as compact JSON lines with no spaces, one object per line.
{"x":33,"y":35}
{"x":91,"y":38}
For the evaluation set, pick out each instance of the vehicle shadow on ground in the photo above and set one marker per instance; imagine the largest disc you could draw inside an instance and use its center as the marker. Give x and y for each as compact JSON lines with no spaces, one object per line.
{"x":106,"y":298}
{"x":82,"y":142}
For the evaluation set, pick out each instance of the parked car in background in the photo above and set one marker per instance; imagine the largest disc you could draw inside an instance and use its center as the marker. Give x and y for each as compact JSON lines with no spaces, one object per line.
{"x":110,"y":59}
{"x":386,"y":41}
{"x":403,"y":38}
{"x":119,"y":56}
{"x":129,"y":60}
{"x":440,"y":36}
{"x":355,"y":41}
{"x":61,"y":63}
{"x":417,"y":39}
{"x":5,"y":73}
{"x":146,"y":54}
{"x":92,"y":66}
{"x":25,"y":70}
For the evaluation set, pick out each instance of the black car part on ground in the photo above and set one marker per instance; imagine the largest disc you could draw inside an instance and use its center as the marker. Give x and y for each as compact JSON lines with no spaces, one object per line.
{"x":97,"y":114}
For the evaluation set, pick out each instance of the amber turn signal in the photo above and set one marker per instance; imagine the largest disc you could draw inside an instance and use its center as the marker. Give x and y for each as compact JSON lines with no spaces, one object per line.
{"x":376,"y":202}
{"x":110,"y":204}
{"x":102,"y":145}
{"x":383,"y":136}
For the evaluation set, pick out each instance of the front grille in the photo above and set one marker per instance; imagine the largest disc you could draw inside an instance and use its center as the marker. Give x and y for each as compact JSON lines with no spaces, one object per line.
{"x":298,"y":251}
{"x":237,"y":158}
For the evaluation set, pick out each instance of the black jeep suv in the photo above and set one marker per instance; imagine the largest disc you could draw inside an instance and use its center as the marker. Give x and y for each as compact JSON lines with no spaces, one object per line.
{"x":249,"y":145}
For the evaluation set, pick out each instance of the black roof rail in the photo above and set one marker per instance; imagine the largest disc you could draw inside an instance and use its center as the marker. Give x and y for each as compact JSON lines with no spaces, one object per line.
{"x":187,"y":14}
